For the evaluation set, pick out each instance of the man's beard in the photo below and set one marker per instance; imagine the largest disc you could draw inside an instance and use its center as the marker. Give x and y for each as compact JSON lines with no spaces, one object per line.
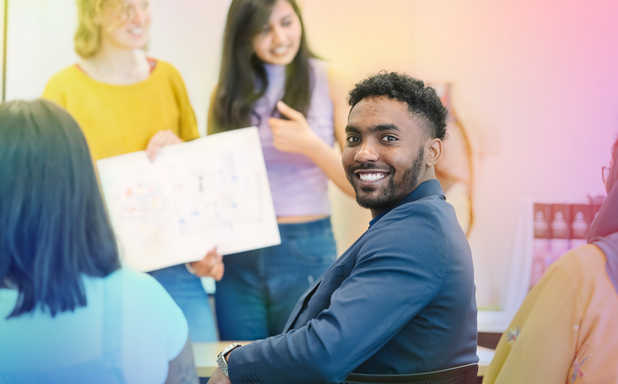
{"x":390,"y":197}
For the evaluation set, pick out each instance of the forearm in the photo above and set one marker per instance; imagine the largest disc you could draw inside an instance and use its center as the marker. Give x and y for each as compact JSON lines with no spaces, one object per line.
{"x":329,"y":161}
{"x":284,"y":359}
{"x":328,"y":347}
{"x":323,"y":351}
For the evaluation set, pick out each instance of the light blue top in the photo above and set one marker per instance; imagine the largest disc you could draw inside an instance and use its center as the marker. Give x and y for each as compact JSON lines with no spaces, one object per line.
{"x":298,"y":186}
{"x":127,"y":333}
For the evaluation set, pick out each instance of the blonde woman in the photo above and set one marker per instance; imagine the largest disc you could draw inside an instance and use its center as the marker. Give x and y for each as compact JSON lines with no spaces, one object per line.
{"x":126,"y":101}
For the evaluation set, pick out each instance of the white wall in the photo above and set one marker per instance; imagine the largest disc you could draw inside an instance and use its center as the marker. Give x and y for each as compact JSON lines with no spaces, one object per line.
{"x":2,"y":4}
{"x":39,"y":43}
{"x":187,"y":33}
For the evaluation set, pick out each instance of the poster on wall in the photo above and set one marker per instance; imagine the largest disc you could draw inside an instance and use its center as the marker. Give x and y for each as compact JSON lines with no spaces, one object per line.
{"x":208,"y":192}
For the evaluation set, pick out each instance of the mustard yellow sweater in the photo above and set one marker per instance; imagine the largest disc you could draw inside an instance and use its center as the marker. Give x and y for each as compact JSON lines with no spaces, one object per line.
{"x":118,"y":119}
{"x":566,"y":331}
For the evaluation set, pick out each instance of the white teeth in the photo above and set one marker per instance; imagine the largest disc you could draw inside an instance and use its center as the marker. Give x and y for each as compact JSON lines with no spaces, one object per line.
{"x":371,"y":176}
{"x":280,"y":50}
{"x":135,"y":31}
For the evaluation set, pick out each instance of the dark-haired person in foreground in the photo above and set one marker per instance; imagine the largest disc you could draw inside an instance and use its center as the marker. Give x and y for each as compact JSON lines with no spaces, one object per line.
{"x":566,"y":330}
{"x":401,"y":299}
{"x":68,"y":312}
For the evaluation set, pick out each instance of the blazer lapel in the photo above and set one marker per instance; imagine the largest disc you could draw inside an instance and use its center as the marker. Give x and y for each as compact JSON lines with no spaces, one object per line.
{"x":302,"y":302}
{"x":300,"y":305}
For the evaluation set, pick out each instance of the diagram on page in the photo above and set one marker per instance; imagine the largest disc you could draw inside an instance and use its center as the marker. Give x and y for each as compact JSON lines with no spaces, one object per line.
{"x":211,"y":191}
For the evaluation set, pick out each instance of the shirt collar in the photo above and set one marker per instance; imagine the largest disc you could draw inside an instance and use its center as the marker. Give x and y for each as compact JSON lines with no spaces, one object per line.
{"x":424,"y":189}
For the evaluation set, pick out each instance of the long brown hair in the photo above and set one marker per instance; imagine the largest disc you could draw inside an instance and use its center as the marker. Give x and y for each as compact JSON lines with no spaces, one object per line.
{"x":242,"y":77}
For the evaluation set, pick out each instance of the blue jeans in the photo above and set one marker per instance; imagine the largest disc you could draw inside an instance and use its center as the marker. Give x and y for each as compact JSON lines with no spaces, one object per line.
{"x":260,"y":288}
{"x":187,"y":291}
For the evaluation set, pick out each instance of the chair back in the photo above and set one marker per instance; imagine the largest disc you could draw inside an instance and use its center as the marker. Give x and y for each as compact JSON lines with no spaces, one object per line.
{"x":465,"y":374}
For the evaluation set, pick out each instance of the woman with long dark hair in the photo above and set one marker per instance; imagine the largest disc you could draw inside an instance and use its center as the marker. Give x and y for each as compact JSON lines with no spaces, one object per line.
{"x":126,"y":101}
{"x":68,"y":312}
{"x":565,"y":331}
{"x":270,"y":79}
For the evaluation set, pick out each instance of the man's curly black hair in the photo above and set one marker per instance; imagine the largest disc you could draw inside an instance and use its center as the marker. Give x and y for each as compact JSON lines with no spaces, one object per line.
{"x":421,"y":99}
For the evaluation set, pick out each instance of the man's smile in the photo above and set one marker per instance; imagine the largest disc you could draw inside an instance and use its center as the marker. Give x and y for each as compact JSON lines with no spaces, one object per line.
{"x":371,"y":176}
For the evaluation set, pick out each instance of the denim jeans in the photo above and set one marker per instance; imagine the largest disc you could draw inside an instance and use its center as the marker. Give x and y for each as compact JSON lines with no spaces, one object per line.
{"x":260,"y":288}
{"x":187,"y":291}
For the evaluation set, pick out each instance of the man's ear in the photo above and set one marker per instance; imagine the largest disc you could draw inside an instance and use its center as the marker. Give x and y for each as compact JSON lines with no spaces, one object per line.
{"x":433,"y":151}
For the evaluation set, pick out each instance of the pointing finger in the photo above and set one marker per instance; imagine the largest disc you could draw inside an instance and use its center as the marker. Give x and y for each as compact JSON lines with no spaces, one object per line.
{"x":288,"y":111}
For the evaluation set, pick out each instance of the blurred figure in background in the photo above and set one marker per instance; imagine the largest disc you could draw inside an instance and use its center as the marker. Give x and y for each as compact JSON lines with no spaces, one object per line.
{"x":270,"y":79}
{"x":455,"y":170}
{"x":126,"y":101}
{"x":68,"y":312}
{"x":566,"y":330}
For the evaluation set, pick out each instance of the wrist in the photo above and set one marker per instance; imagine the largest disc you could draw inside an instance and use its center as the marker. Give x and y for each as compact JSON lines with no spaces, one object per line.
{"x":226,"y":356}
{"x":223,"y":357}
{"x":190,"y":269}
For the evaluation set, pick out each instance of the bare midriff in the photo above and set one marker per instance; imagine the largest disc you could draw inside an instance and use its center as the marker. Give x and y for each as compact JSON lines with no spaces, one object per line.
{"x":299,"y":219}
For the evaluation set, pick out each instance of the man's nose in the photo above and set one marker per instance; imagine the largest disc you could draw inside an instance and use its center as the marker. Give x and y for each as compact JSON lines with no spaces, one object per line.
{"x":366,"y":152}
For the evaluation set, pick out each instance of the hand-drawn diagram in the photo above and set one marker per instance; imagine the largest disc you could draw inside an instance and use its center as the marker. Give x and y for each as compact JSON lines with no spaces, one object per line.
{"x":195,"y":195}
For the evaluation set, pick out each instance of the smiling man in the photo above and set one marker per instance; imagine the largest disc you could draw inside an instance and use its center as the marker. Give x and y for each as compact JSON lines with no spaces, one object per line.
{"x":401,"y":299}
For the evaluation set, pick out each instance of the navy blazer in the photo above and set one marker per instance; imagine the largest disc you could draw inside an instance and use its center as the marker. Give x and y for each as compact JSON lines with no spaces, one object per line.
{"x":401,"y":299}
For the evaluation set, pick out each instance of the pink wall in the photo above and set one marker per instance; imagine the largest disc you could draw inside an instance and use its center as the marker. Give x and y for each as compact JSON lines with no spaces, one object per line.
{"x":533,"y":84}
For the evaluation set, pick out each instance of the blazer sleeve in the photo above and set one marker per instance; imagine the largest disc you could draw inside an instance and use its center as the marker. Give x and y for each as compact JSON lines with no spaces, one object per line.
{"x":368,"y":308}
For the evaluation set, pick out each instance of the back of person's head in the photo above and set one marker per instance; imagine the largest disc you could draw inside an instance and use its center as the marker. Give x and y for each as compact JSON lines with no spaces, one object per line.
{"x":606,"y":221}
{"x":613,"y":168}
{"x":422,"y":100}
{"x":242,"y":77}
{"x":87,"y":38}
{"x":54,"y":226}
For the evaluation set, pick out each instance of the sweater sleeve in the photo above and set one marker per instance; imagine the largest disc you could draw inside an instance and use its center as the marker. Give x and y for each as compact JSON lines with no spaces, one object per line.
{"x":187,"y":124}
{"x":54,"y":91}
{"x":541,"y":340}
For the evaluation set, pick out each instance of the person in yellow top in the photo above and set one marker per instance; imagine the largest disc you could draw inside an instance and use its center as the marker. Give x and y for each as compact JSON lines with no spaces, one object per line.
{"x":124,"y":102}
{"x":566,"y":331}
{"x":129,"y":116}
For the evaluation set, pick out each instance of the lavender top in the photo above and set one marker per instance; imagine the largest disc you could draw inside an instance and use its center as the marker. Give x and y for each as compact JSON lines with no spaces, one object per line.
{"x":298,"y":186}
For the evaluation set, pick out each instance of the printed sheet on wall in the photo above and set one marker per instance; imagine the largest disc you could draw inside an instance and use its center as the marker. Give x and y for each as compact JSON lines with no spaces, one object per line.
{"x":212,"y":191}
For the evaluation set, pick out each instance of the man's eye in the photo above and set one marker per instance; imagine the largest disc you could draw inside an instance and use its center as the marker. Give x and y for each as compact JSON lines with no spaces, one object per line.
{"x":389,"y":138}
{"x":352,"y":139}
